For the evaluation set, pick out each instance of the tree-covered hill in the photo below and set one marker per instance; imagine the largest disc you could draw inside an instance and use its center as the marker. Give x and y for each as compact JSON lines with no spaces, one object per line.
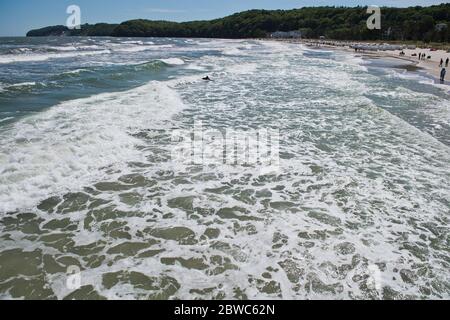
{"x":99,"y":29}
{"x":414,"y":23}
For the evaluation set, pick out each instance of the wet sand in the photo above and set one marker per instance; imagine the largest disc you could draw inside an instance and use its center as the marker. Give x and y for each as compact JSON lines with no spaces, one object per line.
{"x":429,"y":66}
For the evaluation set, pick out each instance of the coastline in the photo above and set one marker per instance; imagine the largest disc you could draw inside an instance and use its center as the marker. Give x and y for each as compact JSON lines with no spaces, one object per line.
{"x":430,"y":67}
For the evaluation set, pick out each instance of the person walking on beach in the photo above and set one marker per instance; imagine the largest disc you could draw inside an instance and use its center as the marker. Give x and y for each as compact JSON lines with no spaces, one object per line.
{"x":443,"y":72}
{"x":446,"y":62}
{"x":441,"y":63}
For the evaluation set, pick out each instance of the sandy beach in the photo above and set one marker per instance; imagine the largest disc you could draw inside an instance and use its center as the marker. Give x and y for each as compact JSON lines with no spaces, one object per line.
{"x":430,"y":65}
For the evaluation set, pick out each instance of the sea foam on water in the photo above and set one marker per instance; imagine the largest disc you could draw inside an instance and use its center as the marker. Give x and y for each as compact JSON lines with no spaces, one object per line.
{"x":357,"y":208}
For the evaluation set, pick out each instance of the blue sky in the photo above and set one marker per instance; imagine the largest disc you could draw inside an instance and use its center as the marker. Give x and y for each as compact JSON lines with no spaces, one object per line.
{"x":19,"y":16}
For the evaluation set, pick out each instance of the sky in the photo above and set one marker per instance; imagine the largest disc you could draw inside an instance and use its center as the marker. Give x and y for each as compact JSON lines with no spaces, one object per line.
{"x":19,"y":16}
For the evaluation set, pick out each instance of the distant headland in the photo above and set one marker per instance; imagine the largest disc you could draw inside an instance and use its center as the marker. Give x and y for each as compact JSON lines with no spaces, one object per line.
{"x":342,"y":23}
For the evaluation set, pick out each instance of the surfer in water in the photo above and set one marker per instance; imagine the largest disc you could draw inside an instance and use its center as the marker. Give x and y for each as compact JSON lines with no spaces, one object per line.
{"x":207,"y":78}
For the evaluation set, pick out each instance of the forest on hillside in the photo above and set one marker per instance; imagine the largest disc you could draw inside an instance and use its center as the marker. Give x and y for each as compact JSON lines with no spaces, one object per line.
{"x":427,"y":24}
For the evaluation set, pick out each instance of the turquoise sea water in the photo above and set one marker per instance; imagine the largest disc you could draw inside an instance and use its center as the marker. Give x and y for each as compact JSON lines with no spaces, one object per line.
{"x":359,"y":209}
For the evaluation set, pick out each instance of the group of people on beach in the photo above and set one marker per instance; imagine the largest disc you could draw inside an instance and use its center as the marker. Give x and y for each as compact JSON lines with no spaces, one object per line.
{"x":441,"y":64}
{"x":423,"y":56}
{"x":443,"y":71}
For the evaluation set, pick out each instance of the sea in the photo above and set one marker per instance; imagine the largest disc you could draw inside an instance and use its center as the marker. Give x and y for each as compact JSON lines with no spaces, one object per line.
{"x":94,"y":206}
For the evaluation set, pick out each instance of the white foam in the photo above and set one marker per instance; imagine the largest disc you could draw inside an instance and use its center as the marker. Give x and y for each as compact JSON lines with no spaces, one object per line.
{"x":76,"y":71}
{"x":22,"y":84}
{"x":6,"y":119}
{"x":133,"y":42}
{"x":423,"y":79}
{"x":244,"y":68}
{"x":71,"y":145}
{"x":132,"y":48}
{"x":282,"y":47}
{"x":173,"y":61}
{"x":64,"y":48}
{"x":232,"y":52}
{"x":162,"y":46}
{"x":4,"y":59}
{"x":22,"y":50}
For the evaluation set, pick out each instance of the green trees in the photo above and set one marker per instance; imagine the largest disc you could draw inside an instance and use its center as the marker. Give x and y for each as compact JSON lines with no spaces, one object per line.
{"x":414,"y":23}
{"x":99,"y":29}
{"x":48,"y":31}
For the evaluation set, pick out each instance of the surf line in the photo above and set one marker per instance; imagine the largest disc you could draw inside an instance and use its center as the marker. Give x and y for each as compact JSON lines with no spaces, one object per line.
{"x":191,"y":311}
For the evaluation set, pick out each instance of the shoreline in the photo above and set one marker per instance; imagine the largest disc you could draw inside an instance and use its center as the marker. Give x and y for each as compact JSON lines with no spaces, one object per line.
{"x":429,"y":67}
